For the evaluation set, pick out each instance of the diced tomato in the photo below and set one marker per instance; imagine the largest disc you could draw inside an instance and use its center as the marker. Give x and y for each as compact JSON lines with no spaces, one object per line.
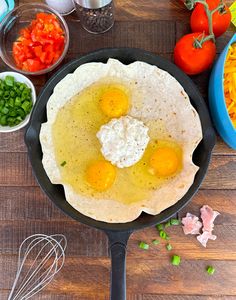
{"x":17,"y":48}
{"x":57,"y":26}
{"x":25,"y":32}
{"x":40,"y":44}
{"x":18,"y":53}
{"x":59,"y":44}
{"x":25,"y":42}
{"x":56,"y":57}
{"x":38,"y":50}
{"x":50,"y":54}
{"x":33,"y":65}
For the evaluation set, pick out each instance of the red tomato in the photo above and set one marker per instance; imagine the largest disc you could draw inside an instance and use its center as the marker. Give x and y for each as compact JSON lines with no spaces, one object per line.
{"x":25,"y":32}
{"x":40,"y":44}
{"x":194,"y":60}
{"x":32,"y":65}
{"x":38,"y":50}
{"x":25,"y":42}
{"x":50,"y":54}
{"x":221,"y":19}
{"x":18,"y":51}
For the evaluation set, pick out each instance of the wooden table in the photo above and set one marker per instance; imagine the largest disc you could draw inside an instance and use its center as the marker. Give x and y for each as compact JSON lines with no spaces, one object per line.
{"x":153,"y":25}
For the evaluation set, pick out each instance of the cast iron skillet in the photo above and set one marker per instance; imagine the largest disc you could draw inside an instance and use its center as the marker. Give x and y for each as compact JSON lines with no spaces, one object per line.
{"x":118,"y":234}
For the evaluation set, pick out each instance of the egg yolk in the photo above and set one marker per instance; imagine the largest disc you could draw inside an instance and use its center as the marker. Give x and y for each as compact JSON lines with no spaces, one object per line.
{"x":164,"y":161}
{"x":114,"y":103}
{"x":101,"y":175}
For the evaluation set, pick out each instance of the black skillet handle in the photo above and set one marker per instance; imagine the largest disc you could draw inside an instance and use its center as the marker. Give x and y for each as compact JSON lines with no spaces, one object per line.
{"x":117,"y":246}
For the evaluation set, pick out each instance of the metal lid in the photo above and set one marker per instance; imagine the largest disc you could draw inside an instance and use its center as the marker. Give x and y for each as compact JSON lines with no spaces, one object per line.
{"x":93,"y":4}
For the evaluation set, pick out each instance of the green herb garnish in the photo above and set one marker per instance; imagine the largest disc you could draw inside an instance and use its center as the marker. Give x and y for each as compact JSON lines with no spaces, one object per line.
{"x":164,"y":235}
{"x":210,"y":270}
{"x":63,"y":163}
{"x":168,"y":247}
{"x":143,"y":246}
{"x":159,"y":227}
{"x":155,"y":242}
{"x":175,"y":260}
{"x":174,"y":222}
{"x":167,"y":224}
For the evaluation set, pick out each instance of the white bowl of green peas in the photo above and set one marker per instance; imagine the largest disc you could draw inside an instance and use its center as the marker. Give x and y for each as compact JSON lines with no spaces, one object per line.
{"x":17,"y":97}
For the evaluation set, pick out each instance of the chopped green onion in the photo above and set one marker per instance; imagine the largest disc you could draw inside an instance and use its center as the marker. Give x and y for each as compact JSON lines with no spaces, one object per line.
{"x":159,"y":227}
{"x":12,"y":93}
{"x":175,"y":260}
{"x":17,"y":101}
{"x":143,"y":246}
{"x":155,"y":242}
{"x":21,"y":112}
{"x":168,"y":224}
{"x":12,"y":113}
{"x":168,"y":247}
{"x":6,"y":95}
{"x":63,"y":163}
{"x":164,"y":235}
{"x":3,"y":120}
{"x":174,"y":222}
{"x":25,"y":105}
{"x":210,"y":270}
{"x":9,"y":80}
{"x":11,"y":102}
{"x":5,"y":110}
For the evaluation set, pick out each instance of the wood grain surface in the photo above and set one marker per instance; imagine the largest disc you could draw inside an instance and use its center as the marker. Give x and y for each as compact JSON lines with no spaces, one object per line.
{"x":153,"y":25}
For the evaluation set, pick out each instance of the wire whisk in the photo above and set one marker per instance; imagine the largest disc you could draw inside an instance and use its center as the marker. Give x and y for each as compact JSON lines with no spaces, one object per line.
{"x":40,"y":258}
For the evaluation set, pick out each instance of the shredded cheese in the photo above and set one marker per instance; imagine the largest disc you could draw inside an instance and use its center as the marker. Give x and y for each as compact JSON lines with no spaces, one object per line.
{"x":230,"y":83}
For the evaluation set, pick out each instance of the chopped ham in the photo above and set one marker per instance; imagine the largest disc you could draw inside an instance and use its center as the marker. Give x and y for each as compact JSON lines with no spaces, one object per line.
{"x":208,"y":216}
{"x":205,"y":236}
{"x":191,"y":224}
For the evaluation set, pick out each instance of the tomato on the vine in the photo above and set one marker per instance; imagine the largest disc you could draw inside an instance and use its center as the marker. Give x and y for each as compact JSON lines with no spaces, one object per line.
{"x":220,"y":19}
{"x":193,"y":55}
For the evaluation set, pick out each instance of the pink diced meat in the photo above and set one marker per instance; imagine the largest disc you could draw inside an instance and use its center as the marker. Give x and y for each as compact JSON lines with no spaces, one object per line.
{"x":191,"y":224}
{"x":205,"y":236}
{"x":208,"y":216}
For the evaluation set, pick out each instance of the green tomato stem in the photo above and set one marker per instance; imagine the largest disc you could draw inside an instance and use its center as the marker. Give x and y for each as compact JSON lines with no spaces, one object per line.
{"x":209,"y":16}
{"x":219,"y":8}
{"x":208,"y":37}
{"x":190,"y":4}
{"x":201,"y":39}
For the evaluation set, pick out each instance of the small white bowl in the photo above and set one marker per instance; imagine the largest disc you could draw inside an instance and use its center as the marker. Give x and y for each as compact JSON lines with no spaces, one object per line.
{"x":23,"y":79}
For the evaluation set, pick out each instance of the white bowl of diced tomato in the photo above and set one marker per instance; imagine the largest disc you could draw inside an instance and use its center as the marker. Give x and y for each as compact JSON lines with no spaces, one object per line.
{"x":34,"y":39}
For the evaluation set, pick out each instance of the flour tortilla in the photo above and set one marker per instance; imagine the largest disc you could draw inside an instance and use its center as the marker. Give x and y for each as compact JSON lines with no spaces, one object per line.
{"x":163,"y":98}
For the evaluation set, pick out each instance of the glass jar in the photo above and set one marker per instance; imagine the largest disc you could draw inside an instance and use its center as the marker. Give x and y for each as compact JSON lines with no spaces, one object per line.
{"x":64,"y":7}
{"x":96,"y":16}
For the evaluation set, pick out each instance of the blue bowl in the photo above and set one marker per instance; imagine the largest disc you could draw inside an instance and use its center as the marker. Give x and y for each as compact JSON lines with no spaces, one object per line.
{"x":217,"y":103}
{"x":11,"y":4}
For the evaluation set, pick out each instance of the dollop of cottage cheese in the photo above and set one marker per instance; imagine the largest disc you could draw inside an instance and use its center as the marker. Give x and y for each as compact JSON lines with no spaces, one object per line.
{"x":123,"y":141}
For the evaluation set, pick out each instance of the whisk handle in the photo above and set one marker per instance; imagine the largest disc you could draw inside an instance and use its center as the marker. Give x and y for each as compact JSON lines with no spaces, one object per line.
{"x":117,"y":246}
